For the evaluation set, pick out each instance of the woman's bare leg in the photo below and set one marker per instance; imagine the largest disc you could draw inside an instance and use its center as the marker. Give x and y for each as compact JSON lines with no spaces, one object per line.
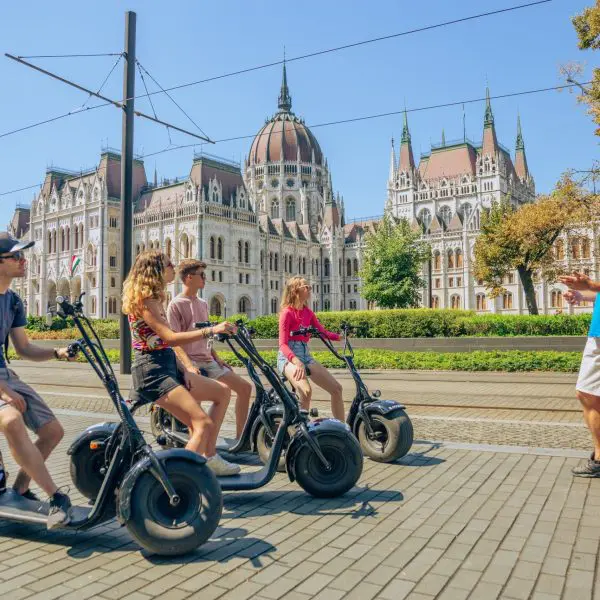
{"x":324,"y":379}
{"x":301,"y":387}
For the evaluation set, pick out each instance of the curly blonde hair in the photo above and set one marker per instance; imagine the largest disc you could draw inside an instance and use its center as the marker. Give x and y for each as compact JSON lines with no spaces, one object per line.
{"x":146,"y":280}
{"x":291,"y":292}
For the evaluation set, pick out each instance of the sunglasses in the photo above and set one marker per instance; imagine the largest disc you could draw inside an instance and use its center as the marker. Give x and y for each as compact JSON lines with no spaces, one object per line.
{"x":202,"y":275}
{"x":18,"y":255}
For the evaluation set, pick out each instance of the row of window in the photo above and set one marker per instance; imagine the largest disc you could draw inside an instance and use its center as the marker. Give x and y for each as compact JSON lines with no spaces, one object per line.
{"x":579,"y":247}
{"x":65,"y":237}
{"x":455,"y":259}
{"x":481,"y":301}
{"x":290,"y":209}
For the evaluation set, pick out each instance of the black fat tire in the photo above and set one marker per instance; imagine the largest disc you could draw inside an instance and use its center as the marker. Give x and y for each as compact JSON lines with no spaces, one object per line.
{"x":156,"y":416}
{"x":399,"y":437}
{"x":168,"y":531}
{"x":347,"y":459}
{"x":85,"y":467}
{"x":264,"y":443}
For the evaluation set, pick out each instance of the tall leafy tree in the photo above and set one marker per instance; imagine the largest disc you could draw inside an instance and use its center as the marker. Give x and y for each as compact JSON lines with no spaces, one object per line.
{"x":393,"y":258}
{"x":522,"y":238}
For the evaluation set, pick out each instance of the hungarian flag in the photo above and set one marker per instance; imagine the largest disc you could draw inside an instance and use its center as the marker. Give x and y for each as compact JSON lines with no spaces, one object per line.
{"x":75,"y":260}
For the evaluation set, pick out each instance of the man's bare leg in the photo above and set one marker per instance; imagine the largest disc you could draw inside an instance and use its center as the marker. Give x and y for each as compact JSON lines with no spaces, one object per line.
{"x":49,"y":436}
{"x":24,"y":451}
{"x":243,"y":391}
{"x":591,"y":414}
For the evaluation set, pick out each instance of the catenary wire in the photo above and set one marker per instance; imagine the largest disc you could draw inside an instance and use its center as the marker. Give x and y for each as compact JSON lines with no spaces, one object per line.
{"x":293,"y":59}
{"x":72,"y":55}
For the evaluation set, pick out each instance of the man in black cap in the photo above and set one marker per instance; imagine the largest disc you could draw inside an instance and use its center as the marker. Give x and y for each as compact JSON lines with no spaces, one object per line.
{"x":20,"y":406}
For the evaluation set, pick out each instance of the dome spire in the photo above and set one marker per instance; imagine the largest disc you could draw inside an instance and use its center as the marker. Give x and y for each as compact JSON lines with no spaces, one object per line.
{"x":285,"y":100}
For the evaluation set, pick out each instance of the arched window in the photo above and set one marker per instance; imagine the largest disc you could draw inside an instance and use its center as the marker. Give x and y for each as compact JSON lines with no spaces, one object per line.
{"x":435,"y":302}
{"x":215,"y":307}
{"x":327,"y":268}
{"x":220,"y":249}
{"x":556,"y":299}
{"x":455,"y":302}
{"x":212,"y":247}
{"x":466,"y":210}
{"x":355,"y":266}
{"x":274,"y":208}
{"x":62,"y":239}
{"x":76,"y":245}
{"x":559,"y":250}
{"x":304,"y":266}
{"x":437,"y":261}
{"x":246,"y":252}
{"x":585,"y":247}
{"x":262,"y":259}
{"x":348,"y":268}
{"x":68,"y":238}
{"x":450,"y":259}
{"x":273,"y":305}
{"x":54,"y":246}
{"x":184,"y":246}
{"x":425,"y":218}
{"x":244,"y":305}
{"x":575,"y":249}
{"x":446,"y":215}
{"x":458,"y":256}
{"x":94,"y":305}
{"x":81,"y":235}
{"x":290,"y":209}
{"x":276,"y":261}
{"x":240,"y":251}
{"x":507,"y":300}
{"x":270,"y":261}
{"x":49,"y":241}
{"x":112,"y":305}
{"x":481,"y":302}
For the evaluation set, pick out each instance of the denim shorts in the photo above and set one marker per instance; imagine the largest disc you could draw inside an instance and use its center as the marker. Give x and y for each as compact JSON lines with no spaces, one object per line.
{"x":153,"y":375}
{"x":300,"y":349}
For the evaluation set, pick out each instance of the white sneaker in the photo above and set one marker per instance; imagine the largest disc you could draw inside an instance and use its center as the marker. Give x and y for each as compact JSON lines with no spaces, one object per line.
{"x":221,"y":467}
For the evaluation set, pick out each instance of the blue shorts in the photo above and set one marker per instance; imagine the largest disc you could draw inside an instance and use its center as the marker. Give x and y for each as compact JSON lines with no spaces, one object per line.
{"x":300,"y":349}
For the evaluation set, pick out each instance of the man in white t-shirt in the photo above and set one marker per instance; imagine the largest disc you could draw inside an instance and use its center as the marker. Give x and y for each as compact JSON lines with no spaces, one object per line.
{"x":187,"y":309}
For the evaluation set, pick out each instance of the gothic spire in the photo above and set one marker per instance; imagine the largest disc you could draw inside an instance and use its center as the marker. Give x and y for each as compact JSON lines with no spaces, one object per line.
{"x":443,"y":138}
{"x":285,"y":100}
{"x":407,"y":161}
{"x":520,"y":159}
{"x":392,"y":162}
{"x":489,"y":115}
{"x":490,"y":142}
{"x":520,"y":143}
{"x":405,"y":131}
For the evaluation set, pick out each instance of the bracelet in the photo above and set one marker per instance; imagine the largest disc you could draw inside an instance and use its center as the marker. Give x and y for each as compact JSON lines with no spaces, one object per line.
{"x":56,"y":356}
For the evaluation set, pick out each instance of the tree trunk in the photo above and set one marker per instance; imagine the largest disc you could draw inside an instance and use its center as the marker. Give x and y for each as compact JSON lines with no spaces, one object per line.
{"x":527,"y":280}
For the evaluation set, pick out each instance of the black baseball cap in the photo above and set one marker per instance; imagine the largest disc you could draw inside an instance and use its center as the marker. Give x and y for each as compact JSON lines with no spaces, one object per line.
{"x":10,"y":244}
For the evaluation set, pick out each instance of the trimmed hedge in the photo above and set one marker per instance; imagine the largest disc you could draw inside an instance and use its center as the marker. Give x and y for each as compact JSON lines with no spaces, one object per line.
{"x":509,"y":361}
{"x":406,"y":323}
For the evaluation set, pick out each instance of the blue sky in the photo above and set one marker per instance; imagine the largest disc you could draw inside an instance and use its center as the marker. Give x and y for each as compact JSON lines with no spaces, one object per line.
{"x":181,"y":41}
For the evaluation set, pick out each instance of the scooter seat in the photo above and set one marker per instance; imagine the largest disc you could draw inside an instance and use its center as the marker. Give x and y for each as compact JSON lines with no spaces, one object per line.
{"x":16,"y":508}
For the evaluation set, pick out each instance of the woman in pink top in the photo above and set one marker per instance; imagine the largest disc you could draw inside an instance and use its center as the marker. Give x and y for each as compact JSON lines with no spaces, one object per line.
{"x":294,"y":355}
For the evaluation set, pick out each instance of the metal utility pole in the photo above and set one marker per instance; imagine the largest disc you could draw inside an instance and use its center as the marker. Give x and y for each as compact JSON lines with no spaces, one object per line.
{"x":127,"y":180}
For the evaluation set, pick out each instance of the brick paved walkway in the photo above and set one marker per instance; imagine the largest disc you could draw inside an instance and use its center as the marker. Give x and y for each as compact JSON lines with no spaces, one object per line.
{"x":442,"y":523}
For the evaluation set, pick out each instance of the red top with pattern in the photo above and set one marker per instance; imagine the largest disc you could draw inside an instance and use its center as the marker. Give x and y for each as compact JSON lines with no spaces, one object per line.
{"x":143,"y":337}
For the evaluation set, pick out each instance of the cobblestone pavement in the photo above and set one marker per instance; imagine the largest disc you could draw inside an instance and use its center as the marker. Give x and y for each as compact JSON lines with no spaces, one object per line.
{"x":444,"y":522}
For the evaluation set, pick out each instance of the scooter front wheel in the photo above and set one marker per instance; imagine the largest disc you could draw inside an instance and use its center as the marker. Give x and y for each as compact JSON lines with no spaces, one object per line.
{"x":174,"y":530}
{"x":392,"y":438}
{"x":346,"y":461}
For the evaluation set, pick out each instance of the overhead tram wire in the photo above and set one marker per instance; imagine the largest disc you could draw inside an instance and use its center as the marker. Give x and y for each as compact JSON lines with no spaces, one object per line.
{"x":356,"y":119}
{"x":73,"y":55}
{"x":381,"y":115}
{"x":292,"y":59}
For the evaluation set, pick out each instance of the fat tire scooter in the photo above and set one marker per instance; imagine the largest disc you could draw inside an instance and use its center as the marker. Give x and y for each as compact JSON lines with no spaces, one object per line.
{"x":383,"y":428}
{"x":170,"y":501}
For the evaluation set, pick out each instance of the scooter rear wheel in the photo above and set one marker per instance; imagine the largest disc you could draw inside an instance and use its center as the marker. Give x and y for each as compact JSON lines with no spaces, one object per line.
{"x":395,"y":437}
{"x":160,"y":419}
{"x":86,"y":467}
{"x":174,"y":530}
{"x":344,"y":455}
{"x":264,"y":444}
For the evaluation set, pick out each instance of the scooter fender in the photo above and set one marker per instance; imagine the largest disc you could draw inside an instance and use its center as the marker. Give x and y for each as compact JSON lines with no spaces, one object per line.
{"x":389,"y":409}
{"x":90,"y":434}
{"x":273,"y":411}
{"x":316,"y":428}
{"x":140,"y":467}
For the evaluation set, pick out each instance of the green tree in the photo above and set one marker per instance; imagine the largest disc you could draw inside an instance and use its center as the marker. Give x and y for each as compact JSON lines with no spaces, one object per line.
{"x":393,"y":258}
{"x":522,"y":238}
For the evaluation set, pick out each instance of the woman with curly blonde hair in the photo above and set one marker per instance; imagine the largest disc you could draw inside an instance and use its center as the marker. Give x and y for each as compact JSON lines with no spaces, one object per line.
{"x":157,"y":375}
{"x":294,"y":356}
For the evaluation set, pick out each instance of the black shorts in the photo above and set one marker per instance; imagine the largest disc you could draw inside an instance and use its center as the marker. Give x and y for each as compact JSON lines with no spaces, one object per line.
{"x":154,"y":375}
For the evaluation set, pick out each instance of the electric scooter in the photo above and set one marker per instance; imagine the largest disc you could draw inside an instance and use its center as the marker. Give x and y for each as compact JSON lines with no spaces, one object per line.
{"x":170,"y":501}
{"x":261,"y":424}
{"x":383,"y":428}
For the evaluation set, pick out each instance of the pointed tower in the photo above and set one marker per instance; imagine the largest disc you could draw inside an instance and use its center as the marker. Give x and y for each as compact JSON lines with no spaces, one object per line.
{"x":285,"y":100}
{"x":443,"y":139}
{"x":392,"y":174}
{"x":490,"y":142}
{"x":520,"y":158}
{"x":407,"y":161}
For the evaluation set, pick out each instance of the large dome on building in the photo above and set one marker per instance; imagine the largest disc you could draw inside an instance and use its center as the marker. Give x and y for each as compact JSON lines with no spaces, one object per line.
{"x":285,"y":136}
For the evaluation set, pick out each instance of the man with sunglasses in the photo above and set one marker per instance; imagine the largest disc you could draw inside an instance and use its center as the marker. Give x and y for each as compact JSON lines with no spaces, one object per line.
{"x":21,"y":408}
{"x":187,"y":309}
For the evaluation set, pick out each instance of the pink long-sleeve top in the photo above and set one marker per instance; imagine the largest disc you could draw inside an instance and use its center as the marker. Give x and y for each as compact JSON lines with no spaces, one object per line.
{"x":291,"y":319}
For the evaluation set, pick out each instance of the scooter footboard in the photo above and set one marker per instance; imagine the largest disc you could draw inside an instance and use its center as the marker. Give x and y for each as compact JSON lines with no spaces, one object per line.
{"x":143,"y":465}
{"x":315,"y":428}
